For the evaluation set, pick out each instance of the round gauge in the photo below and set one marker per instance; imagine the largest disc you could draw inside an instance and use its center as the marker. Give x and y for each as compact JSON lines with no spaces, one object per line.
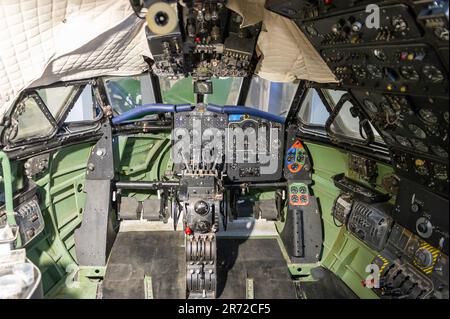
{"x":360,"y":71}
{"x":441,"y":172}
{"x":446,"y":116}
{"x":433,"y":74}
{"x":294,"y":190}
{"x":376,"y":72}
{"x":303,"y":199}
{"x":403,"y":141}
{"x":428,"y":116}
{"x":421,"y":167}
{"x":370,"y":106}
{"x":441,"y":33}
{"x":417,"y":131}
{"x":439,"y":151}
{"x":420,"y":145}
{"x":303,"y":190}
{"x":380,"y":54}
{"x":409,"y":73}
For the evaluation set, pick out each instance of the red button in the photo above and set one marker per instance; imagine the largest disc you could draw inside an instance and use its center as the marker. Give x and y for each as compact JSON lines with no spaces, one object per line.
{"x":188,"y":231}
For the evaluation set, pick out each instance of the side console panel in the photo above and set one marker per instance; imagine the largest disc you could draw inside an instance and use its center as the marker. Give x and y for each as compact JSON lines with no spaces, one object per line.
{"x":303,"y":232}
{"x":424,"y":213}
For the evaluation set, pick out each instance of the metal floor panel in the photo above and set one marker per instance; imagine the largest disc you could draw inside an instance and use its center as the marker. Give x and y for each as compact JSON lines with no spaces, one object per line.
{"x":161,"y":255}
{"x":326,"y":286}
{"x":136,"y":255}
{"x":261,"y":261}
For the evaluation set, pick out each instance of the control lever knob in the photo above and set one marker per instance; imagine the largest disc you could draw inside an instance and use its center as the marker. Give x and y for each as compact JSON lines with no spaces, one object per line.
{"x":201,"y":208}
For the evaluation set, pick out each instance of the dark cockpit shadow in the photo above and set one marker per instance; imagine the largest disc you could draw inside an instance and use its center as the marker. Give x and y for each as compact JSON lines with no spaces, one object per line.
{"x":237,"y":233}
{"x":228,"y":250}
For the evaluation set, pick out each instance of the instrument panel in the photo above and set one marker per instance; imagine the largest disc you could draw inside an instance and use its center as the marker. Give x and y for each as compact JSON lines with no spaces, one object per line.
{"x":255,"y":148}
{"x":390,"y":68}
{"x":415,"y":128}
{"x":298,"y":194}
{"x":297,"y":161}
{"x":424,"y":213}
{"x":244,"y":148}
{"x":411,"y":268}
{"x":27,"y":213}
{"x":398,"y":23}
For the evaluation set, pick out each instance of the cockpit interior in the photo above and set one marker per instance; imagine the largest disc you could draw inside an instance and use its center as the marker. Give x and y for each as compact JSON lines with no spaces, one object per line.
{"x":224,"y":149}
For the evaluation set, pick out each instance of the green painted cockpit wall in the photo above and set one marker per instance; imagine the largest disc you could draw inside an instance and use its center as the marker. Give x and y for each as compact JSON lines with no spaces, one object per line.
{"x":343,"y":254}
{"x":147,"y":158}
{"x":142,"y":157}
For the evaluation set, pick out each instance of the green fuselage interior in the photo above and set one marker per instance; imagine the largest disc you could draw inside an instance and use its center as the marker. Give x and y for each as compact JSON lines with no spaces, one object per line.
{"x":147,"y":158}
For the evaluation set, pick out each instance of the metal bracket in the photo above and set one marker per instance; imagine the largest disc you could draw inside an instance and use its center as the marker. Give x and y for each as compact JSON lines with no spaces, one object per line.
{"x":94,"y":239}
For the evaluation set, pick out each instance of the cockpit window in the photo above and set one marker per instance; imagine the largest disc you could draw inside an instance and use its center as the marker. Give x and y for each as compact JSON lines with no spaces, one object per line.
{"x":41,"y":112}
{"x":314,"y":114}
{"x":57,"y":99}
{"x":313,"y":111}
{"x":85,"y":107}
{"x":125,"y":93}
{"x":225,"y":91}
{"x":29,"y":121}
{"x":272,"y":97}
{"x":346,"y":124}
{"x":177,"y":91}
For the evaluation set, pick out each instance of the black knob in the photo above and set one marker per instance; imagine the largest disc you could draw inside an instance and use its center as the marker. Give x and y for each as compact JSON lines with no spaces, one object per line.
{"x":415,"y":208}
{"x":201,"y":208}
{"x":203,"y":226}
{"x":422,"y":228}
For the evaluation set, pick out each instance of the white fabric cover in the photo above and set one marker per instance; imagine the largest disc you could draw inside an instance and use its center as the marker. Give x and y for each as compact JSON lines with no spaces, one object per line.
{"x":286,"y":53}
{"x":46,"y":41}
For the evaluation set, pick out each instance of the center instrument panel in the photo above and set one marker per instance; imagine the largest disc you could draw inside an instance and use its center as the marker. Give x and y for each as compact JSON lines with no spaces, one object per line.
{"x":250,"y":149}
{"x":258,"y":154}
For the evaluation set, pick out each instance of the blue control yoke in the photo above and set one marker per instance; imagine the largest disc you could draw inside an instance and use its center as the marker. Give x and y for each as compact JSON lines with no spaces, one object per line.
{"x":144,"y":110}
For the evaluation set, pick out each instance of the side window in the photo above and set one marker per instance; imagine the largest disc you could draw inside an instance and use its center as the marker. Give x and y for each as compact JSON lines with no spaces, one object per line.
{"x":126,"y":93}
{"x":57,"y":99}
{"x":346,"y":124}
{"x":85,"y":108}
{"x":313,"y":111}
{"x":29,"y":121}
{"x":271,"y":97}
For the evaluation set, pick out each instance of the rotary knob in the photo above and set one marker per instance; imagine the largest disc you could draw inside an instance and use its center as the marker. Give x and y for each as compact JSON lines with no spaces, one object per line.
{"x":423,"y":258}
{"x":203,"y":226}
{"x":424,"y":227}
{"x":201,"y":208}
